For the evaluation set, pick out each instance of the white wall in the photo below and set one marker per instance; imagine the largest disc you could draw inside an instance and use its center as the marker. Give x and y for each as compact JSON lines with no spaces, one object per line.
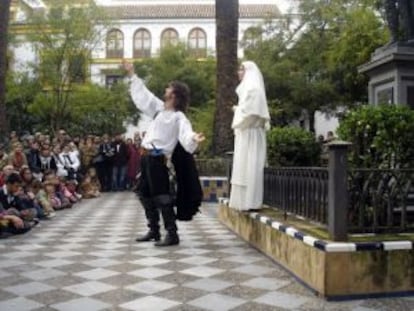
{"x":325,"y":122}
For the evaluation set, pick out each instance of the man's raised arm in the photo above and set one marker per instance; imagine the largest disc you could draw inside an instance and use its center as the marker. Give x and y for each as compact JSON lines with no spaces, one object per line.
{"x":143,"y":98}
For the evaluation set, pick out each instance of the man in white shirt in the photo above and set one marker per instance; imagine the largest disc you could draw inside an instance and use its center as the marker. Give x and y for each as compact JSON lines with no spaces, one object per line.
{"x":169,"y":126}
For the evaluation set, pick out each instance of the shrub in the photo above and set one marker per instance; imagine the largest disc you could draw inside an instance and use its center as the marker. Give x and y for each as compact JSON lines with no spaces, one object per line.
{"x":382,"y":136}
{"x":292,"y":146}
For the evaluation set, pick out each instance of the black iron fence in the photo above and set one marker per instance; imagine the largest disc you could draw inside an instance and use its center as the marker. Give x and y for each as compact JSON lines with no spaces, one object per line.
{"x":345,"y":200}
{"x":380,"y":200}
{"x":299,"y":191}
{"x":212,"y":167}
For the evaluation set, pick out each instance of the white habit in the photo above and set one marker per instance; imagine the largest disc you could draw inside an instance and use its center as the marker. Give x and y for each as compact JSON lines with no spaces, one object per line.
{"x":250,"y":122}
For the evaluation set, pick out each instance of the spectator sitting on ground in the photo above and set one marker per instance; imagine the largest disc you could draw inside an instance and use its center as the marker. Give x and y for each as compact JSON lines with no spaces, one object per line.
{"x":10,"y":199}
{"x":59,"y":192}
{"x":26,"y":176}
{"x":90,"y":187}
{"x":11,"y":224}
{"x":6,"y":172}
{"x":27,"y":196}
{"x":54,"y":200}
{"x":42,"y":199}
{"x":17,"y":158}
{"x":63,"y":188}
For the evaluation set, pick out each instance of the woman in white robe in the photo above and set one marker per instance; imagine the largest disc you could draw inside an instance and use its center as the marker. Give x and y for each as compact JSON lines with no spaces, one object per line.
{"x":250,"y":122}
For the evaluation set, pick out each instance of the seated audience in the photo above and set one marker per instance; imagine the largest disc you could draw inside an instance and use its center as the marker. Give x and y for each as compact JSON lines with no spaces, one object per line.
{"x":90,"y":187}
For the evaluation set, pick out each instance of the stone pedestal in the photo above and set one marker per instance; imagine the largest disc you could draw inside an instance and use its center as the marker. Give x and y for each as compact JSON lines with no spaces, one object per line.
{"x":391,"y":73}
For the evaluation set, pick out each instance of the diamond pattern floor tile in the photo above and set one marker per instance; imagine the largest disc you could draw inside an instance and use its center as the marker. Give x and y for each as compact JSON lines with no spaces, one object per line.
{"x":86,"y":259}
{"x":217,"y":302}
{"x":150,"y":303}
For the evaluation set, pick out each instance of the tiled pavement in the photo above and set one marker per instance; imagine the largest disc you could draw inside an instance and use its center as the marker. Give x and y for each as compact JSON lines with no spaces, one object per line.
{"x":86,"y":260}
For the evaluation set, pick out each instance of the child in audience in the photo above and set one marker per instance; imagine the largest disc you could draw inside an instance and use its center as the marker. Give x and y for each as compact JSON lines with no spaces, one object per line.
{"x":65,"y":189}
{"x":89,"y":188}
{"x":53,"y":198}
{"x":42,"y":200}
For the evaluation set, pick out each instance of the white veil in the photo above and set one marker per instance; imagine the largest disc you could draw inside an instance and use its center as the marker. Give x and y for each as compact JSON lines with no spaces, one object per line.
{"x":253,"y":83}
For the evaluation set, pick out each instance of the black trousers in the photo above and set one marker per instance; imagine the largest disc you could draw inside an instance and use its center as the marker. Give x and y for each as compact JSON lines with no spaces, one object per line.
{"x":154,"y":193}
{"x":104,"y":171}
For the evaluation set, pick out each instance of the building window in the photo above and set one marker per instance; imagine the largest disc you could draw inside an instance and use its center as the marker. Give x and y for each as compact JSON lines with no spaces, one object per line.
{"x":13,"y":15}
{"x":142,"y":43}
{"x":77,"y":68}
{"x":197,"y":42}
{"x":252,"y":36}
{"x":111,"y":80}
{"x":115,"y":44}
{"x":169,"y":37}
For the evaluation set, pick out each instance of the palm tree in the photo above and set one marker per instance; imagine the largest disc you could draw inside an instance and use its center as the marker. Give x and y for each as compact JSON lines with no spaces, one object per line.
{"x":227,"y":15}
{"x":4,"y":25}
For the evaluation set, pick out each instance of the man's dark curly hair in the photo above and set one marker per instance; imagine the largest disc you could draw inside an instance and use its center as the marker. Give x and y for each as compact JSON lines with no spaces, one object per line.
{"x":182,"y":95}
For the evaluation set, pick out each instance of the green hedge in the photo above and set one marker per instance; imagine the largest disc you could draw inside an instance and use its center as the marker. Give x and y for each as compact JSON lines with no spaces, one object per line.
{"x":382,"y":136}
{"x":292,"y":146}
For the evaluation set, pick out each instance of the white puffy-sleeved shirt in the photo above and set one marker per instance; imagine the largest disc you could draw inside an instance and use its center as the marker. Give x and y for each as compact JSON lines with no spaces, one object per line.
{"x":168,"y":127}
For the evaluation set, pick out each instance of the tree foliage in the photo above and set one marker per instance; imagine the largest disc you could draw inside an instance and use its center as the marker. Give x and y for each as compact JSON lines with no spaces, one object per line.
{"x":93,"y":109}
{"x":382,"y":136}
{"x":21,"y":93}
{"x":176,"y":63}
{"x":64,"y":36}
{"x":292,"y":146}
{"x":4,"y":25}
{"x":312,"y":64}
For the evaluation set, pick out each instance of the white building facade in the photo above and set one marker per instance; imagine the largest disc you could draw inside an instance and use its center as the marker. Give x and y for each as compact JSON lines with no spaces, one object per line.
{"x":140,"y":28}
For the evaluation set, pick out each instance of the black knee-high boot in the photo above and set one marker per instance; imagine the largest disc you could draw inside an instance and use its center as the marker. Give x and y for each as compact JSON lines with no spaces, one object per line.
{"x":153,"y":218}
{"x":165,"y":204}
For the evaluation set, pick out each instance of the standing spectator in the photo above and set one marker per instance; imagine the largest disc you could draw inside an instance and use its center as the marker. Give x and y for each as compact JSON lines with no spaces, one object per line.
{"x":13,"y":139}
{"x":17,"y":157}
{"x":134,"y":162}
{"x":104,"y":168}
{"x":88,"y":152}
{"x":4,"y":158}
{"x":61,"y":136}
{"x":70,"y":162}
{"x":46,"y":162}
{"x":330,"y":137}
{"x":120,"y":162}
{"x":33,"y":159}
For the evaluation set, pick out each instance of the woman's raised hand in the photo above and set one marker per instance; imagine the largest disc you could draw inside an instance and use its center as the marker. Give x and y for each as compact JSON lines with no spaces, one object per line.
{"x":129,"y":68}
{"x":199,"y":137}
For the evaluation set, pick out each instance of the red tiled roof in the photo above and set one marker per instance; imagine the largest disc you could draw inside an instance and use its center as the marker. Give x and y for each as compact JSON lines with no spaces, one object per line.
{"x":187,"y":11}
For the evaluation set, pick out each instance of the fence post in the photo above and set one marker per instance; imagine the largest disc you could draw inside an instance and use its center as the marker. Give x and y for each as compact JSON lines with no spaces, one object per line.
{"x":338,"y":191}
{"x":229,"y":158}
